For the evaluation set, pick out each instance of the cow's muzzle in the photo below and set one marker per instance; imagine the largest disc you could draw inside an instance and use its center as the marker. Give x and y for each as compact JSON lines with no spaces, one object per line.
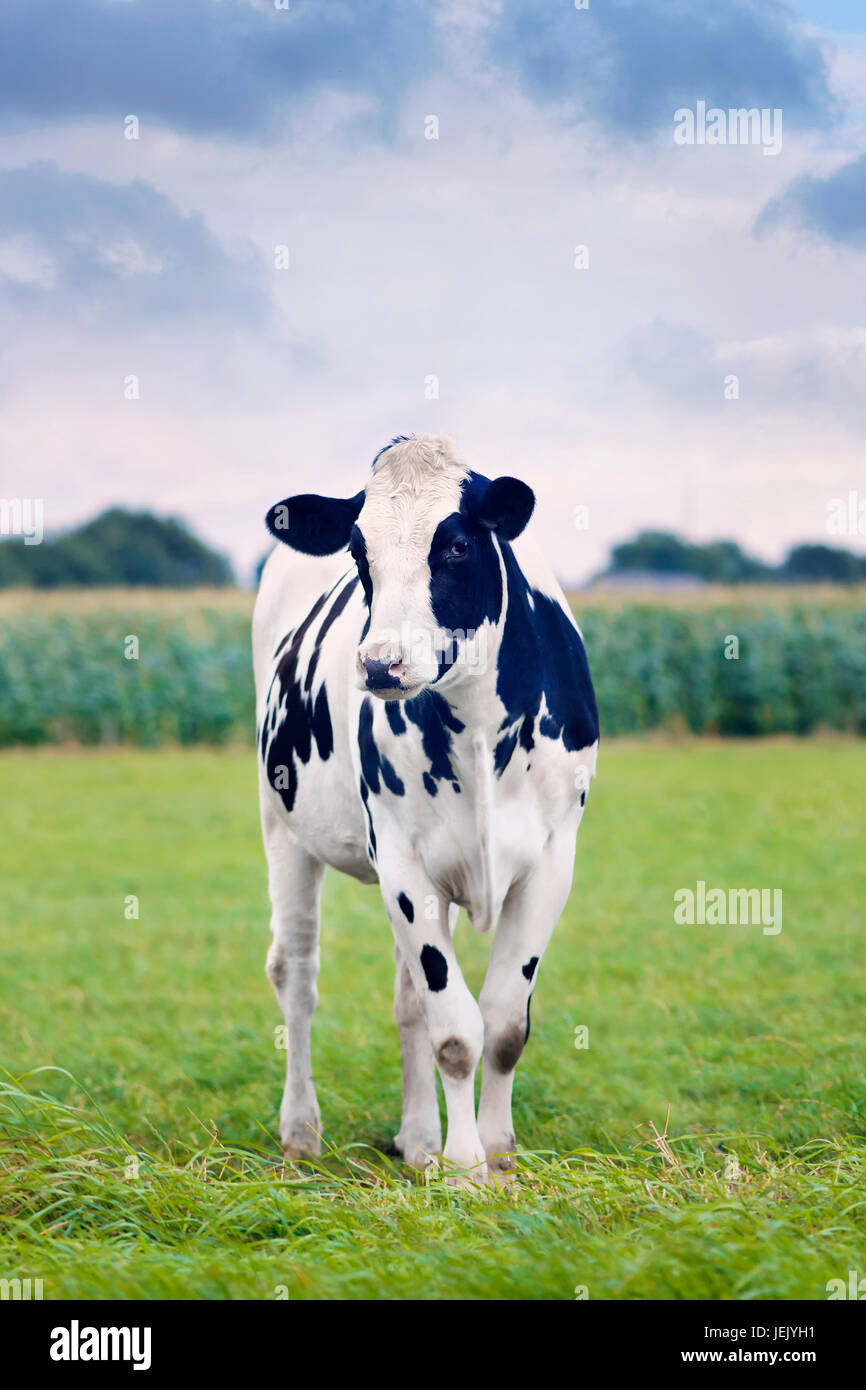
{"x":382,"y":675}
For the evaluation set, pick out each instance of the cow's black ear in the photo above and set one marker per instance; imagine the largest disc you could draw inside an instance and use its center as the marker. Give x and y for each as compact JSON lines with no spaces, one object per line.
{"x":506,"y":507}
{"x":315,"y":525}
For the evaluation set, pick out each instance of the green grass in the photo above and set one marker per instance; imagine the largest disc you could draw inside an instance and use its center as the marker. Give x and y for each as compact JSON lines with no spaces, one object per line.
{"x":153,"y":1040}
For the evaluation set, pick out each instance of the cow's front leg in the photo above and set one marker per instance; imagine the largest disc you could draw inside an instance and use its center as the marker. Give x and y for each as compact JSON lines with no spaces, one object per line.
{"x":529,"y":915}
{"x":419,"y":916}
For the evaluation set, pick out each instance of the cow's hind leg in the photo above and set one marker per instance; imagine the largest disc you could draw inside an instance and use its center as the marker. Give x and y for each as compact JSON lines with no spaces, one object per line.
{"x":295,"y":882}
{"x":420,"y":1137}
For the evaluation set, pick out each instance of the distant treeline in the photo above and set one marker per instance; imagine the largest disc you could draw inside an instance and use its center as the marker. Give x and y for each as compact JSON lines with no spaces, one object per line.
{"x":723,"y":562}
{"x":116,"y":548}
{"x":137,"y":548}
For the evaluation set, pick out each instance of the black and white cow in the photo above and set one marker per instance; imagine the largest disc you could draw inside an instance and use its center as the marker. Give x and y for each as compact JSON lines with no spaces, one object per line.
{"x":426,"y":720}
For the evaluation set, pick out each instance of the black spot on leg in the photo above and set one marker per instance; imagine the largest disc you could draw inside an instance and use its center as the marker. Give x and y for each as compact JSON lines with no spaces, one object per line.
{"x":406,"y":907}
{"x":529,"y":967}
{"x":507,"y":1049}
{"x":583,"y":798}
{"x":435,"y":968}
{"x":455,"y":1059}
{"x":278,"y":970}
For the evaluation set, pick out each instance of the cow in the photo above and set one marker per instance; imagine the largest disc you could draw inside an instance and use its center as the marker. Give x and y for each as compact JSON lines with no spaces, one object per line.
{"x":425,"y":721}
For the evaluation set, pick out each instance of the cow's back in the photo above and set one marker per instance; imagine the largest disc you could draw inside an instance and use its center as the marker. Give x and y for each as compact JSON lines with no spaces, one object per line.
{"x":306,"y":626}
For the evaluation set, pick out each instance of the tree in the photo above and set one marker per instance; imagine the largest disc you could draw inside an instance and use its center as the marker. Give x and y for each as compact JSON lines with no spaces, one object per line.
{"x":723,"y":562}
{"x":116,"y":547}
{"x":813,"y":564}
{"x":661,"y":552}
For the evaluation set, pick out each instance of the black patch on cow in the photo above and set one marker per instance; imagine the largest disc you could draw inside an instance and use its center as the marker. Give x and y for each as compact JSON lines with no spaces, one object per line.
{"x":394,"y":715}
{"x":373,"y":763}
{"x":304,"y":722}
{"x":371,"y":834}
{"x":502,"y":752}
{"x":433,"y":715}
{"x":337,"y":607}
{"x":406,"y":907}
{"x":465,"y":580}
{"x":529,"y":967}
{"x":541,"y":657}
{"x":435,"y":968}
{"x":508,"y":1047}
{"x":455,"y":1059}
{"x":358,"y":552}
{"x":583,"y":798}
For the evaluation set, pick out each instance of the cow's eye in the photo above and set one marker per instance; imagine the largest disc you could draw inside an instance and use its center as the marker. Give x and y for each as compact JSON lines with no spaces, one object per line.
{"x":458,"y":550}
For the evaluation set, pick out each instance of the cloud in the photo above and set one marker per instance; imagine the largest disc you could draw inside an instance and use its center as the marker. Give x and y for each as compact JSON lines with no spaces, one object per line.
{"x":630,"y":65}
{"x":673,"y":361}
{"x":210,"y":67}
{"x":200,"y":66}
{"x":834,"y":207}
{"x":678,"y":366}
{"x":412,"y":257}
{"x":76,"y":246}
{"x":817,"y":373}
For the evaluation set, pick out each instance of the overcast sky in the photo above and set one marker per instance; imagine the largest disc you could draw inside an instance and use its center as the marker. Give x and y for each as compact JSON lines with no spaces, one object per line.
{"x":411,"y":259}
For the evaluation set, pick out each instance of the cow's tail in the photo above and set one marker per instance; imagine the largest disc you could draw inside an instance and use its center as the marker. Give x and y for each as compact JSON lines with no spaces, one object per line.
{"x":482,"y":918}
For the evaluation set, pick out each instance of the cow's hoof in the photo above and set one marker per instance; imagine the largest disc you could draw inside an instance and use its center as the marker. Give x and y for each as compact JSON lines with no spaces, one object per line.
{"x":301,"y":1141}
{"x":299,"y":1151}
{"x":466,"y":1177}
{"x":500,"y":1158}
{"x":419,"y":1155}
{"x":474,"y":1181}
{"x":500,"y":1174}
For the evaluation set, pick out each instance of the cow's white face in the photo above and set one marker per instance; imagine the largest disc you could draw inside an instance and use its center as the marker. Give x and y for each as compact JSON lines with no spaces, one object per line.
{"x":392,"y":543}
{"x":421,"y":535}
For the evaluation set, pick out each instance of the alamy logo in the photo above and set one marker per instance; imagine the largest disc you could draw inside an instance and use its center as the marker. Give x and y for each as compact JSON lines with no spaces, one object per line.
{"x":22,"y":516}
{"x":76,"y":1343}
{"x":712,"y":907}
{"x":855,"y":1288}
{"x":738,"y":126}
{"x":20,"y":1290}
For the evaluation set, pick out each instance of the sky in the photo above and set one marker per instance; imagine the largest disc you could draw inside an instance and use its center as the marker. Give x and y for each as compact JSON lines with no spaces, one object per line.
{"x":243,"y":245}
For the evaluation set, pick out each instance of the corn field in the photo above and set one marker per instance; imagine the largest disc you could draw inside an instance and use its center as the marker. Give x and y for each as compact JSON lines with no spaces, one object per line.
{"x":69,"y":672}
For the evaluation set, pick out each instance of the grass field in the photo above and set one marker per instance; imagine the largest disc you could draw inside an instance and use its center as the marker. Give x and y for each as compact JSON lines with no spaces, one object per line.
{"x":138,"y":1150}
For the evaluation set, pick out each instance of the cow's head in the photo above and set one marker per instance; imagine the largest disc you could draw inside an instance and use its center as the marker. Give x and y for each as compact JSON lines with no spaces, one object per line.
{"x":423,"y":534}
